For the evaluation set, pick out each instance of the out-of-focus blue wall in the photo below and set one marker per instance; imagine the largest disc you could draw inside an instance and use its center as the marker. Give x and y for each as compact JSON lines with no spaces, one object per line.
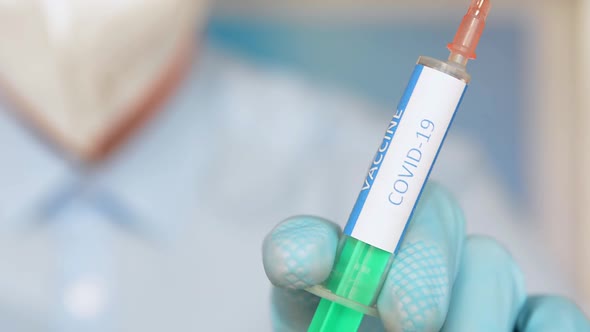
{"x":374,"y":60}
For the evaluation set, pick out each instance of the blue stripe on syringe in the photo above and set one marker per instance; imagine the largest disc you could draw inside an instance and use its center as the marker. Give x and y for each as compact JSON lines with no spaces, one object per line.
{"x":374,"y":168}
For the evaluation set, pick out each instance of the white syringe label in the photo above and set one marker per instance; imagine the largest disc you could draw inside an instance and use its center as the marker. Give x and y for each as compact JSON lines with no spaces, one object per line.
{"x":403,"y":162}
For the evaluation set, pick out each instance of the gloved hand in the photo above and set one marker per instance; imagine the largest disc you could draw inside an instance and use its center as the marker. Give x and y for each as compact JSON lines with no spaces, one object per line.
{"x":440,"y":280}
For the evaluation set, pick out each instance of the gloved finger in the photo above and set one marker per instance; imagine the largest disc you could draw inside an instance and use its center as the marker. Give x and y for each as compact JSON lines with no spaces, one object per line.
{"x":299,"y":252}
{"x":551,"y":313}
{"x":488,"y":292}
{"x":416,"y":293}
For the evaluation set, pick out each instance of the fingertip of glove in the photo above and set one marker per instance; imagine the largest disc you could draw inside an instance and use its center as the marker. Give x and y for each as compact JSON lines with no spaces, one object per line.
{"x":437,"y":196}
{"x":299,"y":252}
{"x":415,"y":294}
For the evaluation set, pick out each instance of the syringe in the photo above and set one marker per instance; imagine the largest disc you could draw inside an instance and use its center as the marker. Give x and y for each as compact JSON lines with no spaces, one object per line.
{"x":395,"y":181}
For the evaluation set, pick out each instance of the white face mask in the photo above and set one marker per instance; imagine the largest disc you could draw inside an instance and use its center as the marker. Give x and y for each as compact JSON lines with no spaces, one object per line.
{"x":81,"y":70}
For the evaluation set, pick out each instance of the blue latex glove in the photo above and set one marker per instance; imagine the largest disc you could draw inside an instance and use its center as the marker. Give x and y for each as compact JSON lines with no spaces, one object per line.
{"x":441,"y":279}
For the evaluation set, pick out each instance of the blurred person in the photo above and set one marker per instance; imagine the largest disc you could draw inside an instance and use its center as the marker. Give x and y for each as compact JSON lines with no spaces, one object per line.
{"x":141,"y":172}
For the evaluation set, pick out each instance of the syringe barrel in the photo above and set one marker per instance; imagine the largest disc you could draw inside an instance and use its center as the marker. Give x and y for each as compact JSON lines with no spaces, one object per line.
{"x":405,"y":157}
{"x":389,"y":195}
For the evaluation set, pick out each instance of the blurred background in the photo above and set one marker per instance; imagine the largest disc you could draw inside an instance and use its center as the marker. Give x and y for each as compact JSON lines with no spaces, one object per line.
{"x":87,"y":113}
